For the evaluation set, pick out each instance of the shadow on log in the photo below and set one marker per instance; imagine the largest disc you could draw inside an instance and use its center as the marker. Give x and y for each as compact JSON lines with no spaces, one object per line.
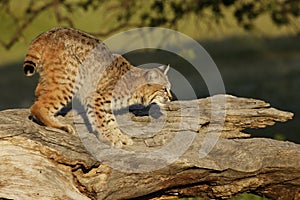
{"x":217,"y":159}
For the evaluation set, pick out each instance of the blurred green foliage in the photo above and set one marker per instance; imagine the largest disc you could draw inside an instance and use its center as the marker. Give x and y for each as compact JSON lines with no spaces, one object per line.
{"x":244,"y":196}
{"x":249,"y":197}
{"x":128,"y":13}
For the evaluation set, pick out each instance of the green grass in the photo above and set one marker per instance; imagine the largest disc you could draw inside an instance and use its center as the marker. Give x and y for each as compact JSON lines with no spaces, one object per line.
{"x":244,"y":196}
{"x":249,"y":197}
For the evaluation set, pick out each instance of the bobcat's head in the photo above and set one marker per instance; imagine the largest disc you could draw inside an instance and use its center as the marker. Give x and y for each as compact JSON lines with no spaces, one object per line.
{"x":156,"y":87}
{"x":146,"y":86}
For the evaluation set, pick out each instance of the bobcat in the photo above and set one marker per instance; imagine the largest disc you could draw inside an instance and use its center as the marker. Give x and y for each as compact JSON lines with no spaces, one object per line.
{"x":72,"y":63}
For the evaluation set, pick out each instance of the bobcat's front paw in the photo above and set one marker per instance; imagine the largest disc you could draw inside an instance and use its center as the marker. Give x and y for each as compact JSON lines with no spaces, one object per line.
{"x":118,"y":139}
{"x":126,"y":140}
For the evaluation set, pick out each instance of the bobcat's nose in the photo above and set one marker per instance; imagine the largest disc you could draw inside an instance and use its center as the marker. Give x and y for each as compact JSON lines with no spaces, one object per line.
{"x":168,"y":95}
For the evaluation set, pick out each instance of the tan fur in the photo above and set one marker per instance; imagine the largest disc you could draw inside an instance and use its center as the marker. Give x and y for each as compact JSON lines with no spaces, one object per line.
{"x":73,"y":63}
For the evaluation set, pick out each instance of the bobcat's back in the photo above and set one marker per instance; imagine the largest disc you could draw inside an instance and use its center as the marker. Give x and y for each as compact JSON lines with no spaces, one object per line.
{"x":60,"y":46}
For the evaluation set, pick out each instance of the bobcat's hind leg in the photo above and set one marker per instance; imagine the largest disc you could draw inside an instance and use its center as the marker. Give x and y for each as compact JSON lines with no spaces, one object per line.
{"x":44,"y":111}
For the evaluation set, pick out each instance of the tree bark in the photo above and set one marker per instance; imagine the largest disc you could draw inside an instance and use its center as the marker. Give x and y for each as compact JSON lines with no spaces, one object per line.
{"x":188,"y":148}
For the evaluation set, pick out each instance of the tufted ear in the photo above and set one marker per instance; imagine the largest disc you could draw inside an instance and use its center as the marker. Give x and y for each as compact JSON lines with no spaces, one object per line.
{"x":164,"y":68}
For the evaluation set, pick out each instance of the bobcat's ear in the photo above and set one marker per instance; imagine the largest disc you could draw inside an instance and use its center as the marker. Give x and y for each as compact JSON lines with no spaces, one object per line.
{"x":164,"y":68}
{"x":151,"y":75}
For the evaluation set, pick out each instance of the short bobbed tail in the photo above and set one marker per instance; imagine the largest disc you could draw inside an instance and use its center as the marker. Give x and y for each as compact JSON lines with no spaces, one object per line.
{"x":29,"y":68}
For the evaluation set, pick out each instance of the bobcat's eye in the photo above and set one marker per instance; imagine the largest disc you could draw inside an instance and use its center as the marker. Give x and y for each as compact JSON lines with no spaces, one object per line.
{"x":165,"y":91}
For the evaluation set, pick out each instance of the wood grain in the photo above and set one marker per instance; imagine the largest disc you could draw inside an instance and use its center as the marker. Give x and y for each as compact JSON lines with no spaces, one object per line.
{"x":218,"y":160}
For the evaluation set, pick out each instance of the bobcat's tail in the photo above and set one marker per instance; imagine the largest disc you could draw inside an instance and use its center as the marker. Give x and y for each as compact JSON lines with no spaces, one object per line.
{"x":29,"y":67}
{"x":33,"y":57}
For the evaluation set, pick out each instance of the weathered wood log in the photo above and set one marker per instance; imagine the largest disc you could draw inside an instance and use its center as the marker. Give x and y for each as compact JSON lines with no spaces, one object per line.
{"x":185,"y":149}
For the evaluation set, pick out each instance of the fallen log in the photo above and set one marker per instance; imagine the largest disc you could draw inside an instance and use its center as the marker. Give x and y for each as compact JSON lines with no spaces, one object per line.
{"x":187,"y":149}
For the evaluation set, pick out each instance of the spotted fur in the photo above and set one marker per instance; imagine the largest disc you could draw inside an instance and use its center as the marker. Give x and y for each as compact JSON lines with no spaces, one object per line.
{"x":73,"y":63}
